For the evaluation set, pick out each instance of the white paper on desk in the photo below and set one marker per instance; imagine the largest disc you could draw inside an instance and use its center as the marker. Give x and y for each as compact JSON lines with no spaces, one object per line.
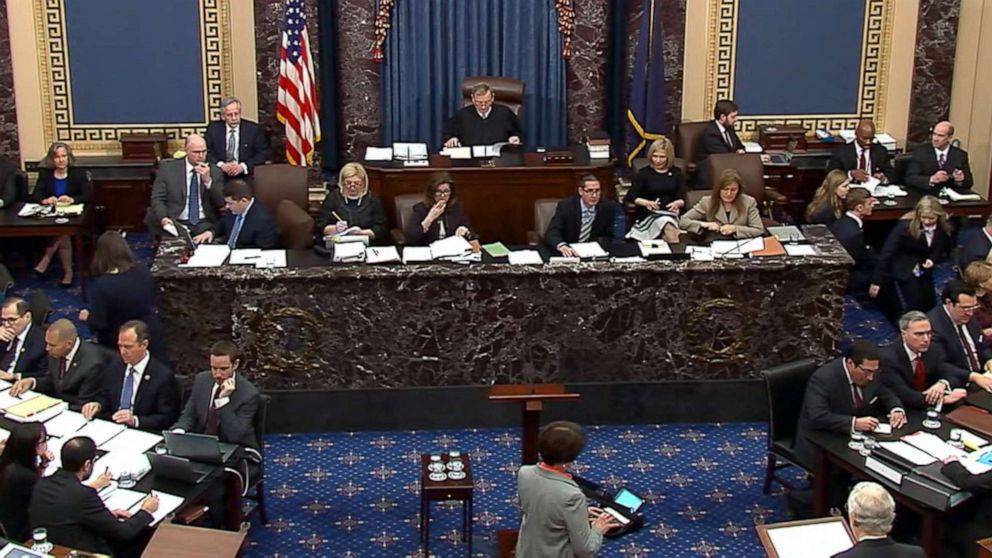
{"x":799,"y":249}
{"x":122,"y":462}
{"x":891,"y":191}
{"x":271,"y":259}
{"x":737,"y":247}
{"x":525,"y":257}
{"x":466,"y":258}
{"x":4,"y":434}
{"x":101,"y":431}
{"x":813,"y":540}
{"x":450,"y":246}
{"x":208,"y":255}
{"x":752,"y":147}
{"x":871,"y":184}
{"x":700,"y":253}
{"x":65,"y":424}
{"x":244,"y":256}
{"x":350,"y":234}
{"x":588,"y":250}
{"x":167,"y":503}
{"x":382,"y":254}
{"x":349,"y":252}
{"x":54,"y":446}
{"x":405,"y":151}
{"x":960,"y":196}
{"x":973,"y":466}
{"x":932,"y":445}
{"x":883,"y":428}
{"x":654,"y":248}
{"x":485,"y":151}
{"x":972,"y":439}
{"x":7,"y":401}
{"x":627,"y":259}
{"x":132,"y":440}
{"x":121,"y":498}
{"x":908,"y":452}
{"x":563,"y":260}
{"x":4,"y":384}
{"x":378,"y":153}
{"x":417,"y":254}
{"x":29,"y":209}
{"x":457,"y":153}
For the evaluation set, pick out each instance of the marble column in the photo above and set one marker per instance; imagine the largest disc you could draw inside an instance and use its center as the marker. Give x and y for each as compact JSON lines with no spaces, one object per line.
{"x":933,"y":66}
{"x":10,"y":148}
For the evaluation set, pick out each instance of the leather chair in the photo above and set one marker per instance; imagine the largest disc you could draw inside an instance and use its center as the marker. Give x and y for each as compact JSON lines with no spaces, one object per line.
{"x":901,"y":164}
{"x":257,"y":499}
{"x":786,"y":386}
{"x":752,"y":171}
{"x":283,"y":190}
{"x":6,"y":280}
{"x":41,"y":308}
{"x":404,"y":211}
{"x":509,"y":92}
{"x":544,"y":210}
{"x":687,"y":136}
{"x":636,"y":165}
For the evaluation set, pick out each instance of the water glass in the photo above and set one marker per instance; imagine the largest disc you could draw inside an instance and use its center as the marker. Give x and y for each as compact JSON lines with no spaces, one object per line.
{"x":126,"y":480}
{"x":39,"y":540}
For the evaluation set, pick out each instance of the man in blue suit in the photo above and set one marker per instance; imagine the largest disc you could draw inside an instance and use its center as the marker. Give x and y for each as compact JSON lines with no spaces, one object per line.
{"x":235,"y":144}
{"x":22,"y":344}
{"x":247,"y":224}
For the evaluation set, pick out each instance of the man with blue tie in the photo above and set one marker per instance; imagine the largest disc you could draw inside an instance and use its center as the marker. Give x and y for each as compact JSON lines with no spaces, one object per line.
{"x":247,"y":224}
{"x":138,"y":390}
{"x":586,"y":217}
{"x":186,"y":191}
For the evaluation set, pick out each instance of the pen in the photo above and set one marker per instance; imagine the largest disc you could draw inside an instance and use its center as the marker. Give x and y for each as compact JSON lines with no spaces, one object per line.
{"x":336,"y":216}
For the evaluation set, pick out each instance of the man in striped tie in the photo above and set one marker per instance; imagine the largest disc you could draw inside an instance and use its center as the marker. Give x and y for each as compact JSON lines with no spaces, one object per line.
{"x":957,"y":332}
{"x":247,"y":224}
{"x":586,"y":217}
{"x":939,"y":163}
{"x":235,"y":144}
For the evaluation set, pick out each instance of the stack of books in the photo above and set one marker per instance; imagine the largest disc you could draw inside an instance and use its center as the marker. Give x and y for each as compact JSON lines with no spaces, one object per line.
{"x":599,"y":145}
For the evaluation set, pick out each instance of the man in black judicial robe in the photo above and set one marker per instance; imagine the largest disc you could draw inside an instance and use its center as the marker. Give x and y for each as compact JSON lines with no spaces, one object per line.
{"x":483,"y":123}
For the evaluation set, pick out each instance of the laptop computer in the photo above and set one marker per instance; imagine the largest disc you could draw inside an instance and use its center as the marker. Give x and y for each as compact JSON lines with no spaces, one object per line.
{"x":198,"y":447}
{"x":179,"y":468}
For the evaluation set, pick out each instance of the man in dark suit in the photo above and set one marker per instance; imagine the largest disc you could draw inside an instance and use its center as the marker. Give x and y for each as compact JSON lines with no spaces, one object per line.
{"x":863,"y":158}
{"x":8,"y":184}
{"x":719,"y":136}
{"x":977,"y":247}
{"x":849,"y":230}
{"x":959,"y":336}
{"x":234,"y":144}
{"x":22,"y":344}
{"x":915,"y":370}
{"x":139,"y":391}
{"x":842,"y":397}
{"x":963,"y":529}
{"x":247,"y":223}
{"x":75,"y":368}
{"x":871,"y":511}
{"x":483,"y":123}
{"x":584,"y":218}
{"x":171,"y":200}
{"x":932,"y":167}
{"x":73,"y":513}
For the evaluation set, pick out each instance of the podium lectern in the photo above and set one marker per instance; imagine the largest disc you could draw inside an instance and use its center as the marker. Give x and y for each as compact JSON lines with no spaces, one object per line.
{"x":531,"y":397}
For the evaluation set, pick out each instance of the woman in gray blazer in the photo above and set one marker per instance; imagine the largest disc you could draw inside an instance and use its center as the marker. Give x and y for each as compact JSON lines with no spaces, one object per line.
{"x":556,"y":522}
{"x":727,"y":211}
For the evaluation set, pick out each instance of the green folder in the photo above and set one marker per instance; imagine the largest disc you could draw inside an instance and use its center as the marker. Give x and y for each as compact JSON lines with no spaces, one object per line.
{"x":496,"y":249}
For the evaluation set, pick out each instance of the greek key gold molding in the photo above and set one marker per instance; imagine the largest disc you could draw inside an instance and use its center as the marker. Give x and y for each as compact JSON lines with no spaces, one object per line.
{"x":57,"y":113}
{"x":875,"y":54}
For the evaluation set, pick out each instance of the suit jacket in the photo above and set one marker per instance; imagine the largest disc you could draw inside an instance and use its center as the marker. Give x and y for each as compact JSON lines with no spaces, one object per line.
{"x":923,"y":164}
{"x":852,"y":238}
{"x":33,"y":360}
{"x":83,"y":380}
{"x":845,"y":158}
{"x":257,"y":231}
{"x":8,"y":183}
{"x":368,"y":214}
{"x":566,"y":224}
{"x":748,"y":221}
{"x":157,"y":402}
{"x":471,"y":129}
{"x":17,"y":485}
{"x":712,"y":141}
{"x":236,"y":419}
{"x":171,"y":186}
{"x":253,"y":144}
{"x":554,"y":516}
{"x":898,"y":373}
{"x":453,"y":217}
{"x":78,"y":186}
{"x":76,"y":517}
{"x":945,"y":334}
{"x":882,"y":548}
{"x":901,"y":253}
{"x":980,"y":486}
{"x":829,"y":406}
{"x":976,"y":248}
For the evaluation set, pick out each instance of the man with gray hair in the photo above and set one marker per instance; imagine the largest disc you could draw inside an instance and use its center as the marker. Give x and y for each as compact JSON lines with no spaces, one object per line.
{"x":977,"y":247}
{"x":916,"y":370}
{"x":236,"y":145}
{"x":871,"y":510}
{"x":482,"y":122}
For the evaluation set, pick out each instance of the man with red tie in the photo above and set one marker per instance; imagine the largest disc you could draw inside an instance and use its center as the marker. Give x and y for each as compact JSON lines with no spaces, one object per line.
{"x":959,"y":336}
{"x":75,"y":368}
{"x":863,"y":158}
{"x":719,"y":136}
{"x":915,"y":369}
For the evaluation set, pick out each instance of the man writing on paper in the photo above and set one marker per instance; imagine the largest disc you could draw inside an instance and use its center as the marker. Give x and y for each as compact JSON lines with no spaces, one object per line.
{"x":915,"y":370}
{"x":483,"y":123}
{"x":247,"y":224}
{"x":22,"y":344}
{"x":236,"y":145}
{"x":959,"y":336}
{"x":585,"y":217}
{"x":184,"y":191}
{"x":932,"y":167}
{"x":75,"y":368}
{"x":138,"y":391}
{"x":862,"y":158}
{"x":871,"y":511}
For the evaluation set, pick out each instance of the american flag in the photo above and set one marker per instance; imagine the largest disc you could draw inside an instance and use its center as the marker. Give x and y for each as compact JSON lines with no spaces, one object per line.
{"x":296,"y":106}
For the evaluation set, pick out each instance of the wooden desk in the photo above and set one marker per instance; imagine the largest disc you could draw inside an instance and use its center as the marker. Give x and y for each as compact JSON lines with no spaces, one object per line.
{"x":443,"y":491}
{"x":498,"y":200}
{"x":195,"y":542}
{"x":13,"y":226}
{"x":882,"y":212}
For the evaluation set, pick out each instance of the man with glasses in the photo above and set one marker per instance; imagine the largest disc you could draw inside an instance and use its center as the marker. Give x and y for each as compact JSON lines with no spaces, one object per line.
{"x":915,"y":369}
{"x":959,"y":336}
{"x":247,"y":224}
{"x":586,"y":217}
{"x":22,"y":345}
{"x":843,"y":397}
{"x":186,"y":191}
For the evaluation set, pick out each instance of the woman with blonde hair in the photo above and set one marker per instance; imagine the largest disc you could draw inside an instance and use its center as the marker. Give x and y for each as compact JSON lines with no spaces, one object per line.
{"x":659,"y":189}
{"x":979,"y":276}
{"x":919,"y":240}
{"x":828,"y":201}
{"x":352,"y":208}
{"x":727,"y":211}
{"x":60,"y":182}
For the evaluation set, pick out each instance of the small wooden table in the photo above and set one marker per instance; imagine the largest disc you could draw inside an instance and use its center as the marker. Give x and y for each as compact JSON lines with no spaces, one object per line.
{"x":13,"y":226}
{"x":443,"y":491}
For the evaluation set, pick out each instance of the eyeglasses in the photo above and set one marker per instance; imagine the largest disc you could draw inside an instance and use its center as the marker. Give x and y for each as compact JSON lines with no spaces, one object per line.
{"x":353,"y":183}
{"x":442,"y":192}
{"x":592,"y":191}
{"x":9,"y":321}
{"x":970,"y":308}
{"x":868,"y":371}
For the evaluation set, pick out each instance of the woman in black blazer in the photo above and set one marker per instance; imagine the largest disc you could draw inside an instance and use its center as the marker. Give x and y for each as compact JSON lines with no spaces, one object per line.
{"x":24,"y":458}
{"x":439,"y":215}
{"x":920,"y":239}
{"x":60,"y":183}
{"x":352,"y":206}
{"x":828,"y":201}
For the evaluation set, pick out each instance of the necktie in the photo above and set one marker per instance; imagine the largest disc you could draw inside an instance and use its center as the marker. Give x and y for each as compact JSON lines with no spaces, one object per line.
{"x":920,"y":374}
{"x":858,"y":401}
{"x":726,"y":138}
{"x":232,"y":147}
{"x":232,"y":241}
{"x":941,"y":161}
{"x":586,"y":230}
{"x":63,"y":365}
{"x":972,"y":359}
{"x":8,"y":357}
{"x":213,"y":418}
{"x":863,"y":165}
{"x":193,"y":199}
{"x":127,"y":394}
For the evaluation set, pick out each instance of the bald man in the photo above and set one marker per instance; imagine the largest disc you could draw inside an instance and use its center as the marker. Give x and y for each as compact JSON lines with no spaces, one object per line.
{"x":75,"y":368}
{"x":939,"y":164}
{"x":863,"y":158}
{"x":176,"y":178}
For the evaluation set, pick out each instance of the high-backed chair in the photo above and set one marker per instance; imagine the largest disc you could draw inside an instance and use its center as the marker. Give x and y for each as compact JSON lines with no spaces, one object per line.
{"x":283,"y":190}
{"x":508,"y":91}
{"x":41,"y":308}
{"x":752,"y":172}
{"x":258,"y":485}
{"x":786,"y":386}
{"x":6,"y":281}
{"x":404,"y":211}
{"x":544,"y":210}
{"x":687,"y":136}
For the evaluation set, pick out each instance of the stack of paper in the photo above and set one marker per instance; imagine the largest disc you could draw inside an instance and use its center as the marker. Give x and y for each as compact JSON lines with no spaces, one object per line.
{"x":404,"y":151}
{"x":786,"y":233}
{"x":167,"y":503}
{"x":417,"y":254}
{"x":271,"y":259}
{"x":737,"y":248}
{"x":4,"y":434}
{"x":457,"y":152}
{"x":960,"y":196}
{"x":700,"y":253}
{"x":348,"y":235}
{"x":4,"y":384}
{"x":100,"y":431}
{"x":70,"y":209}
{"x":893,"y":191}
{"x":588,"y":250}
{"x":345,"y":252}
{"x":909,"y":453}
{"x":36,"y":409}
{"x":450,"y":247}
{"x":132,"y":440}
{"x":65,"y":425}
{"x":525,"y":257}
{"x":7,"y":400}
{"x":381,"y":254}
{"x":245,"y":256}
{"x":563,"y":260}
{"x":800,"y":250}
{"x":932,"y":445}
{"x":654,"y":248}
{"x":208,"y":255}
{"x":378,"y":153}
{"x":116,"y":498}
{"x":752,"y":147}
{"x":122,"y":462}
{"x":487,"y":151}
